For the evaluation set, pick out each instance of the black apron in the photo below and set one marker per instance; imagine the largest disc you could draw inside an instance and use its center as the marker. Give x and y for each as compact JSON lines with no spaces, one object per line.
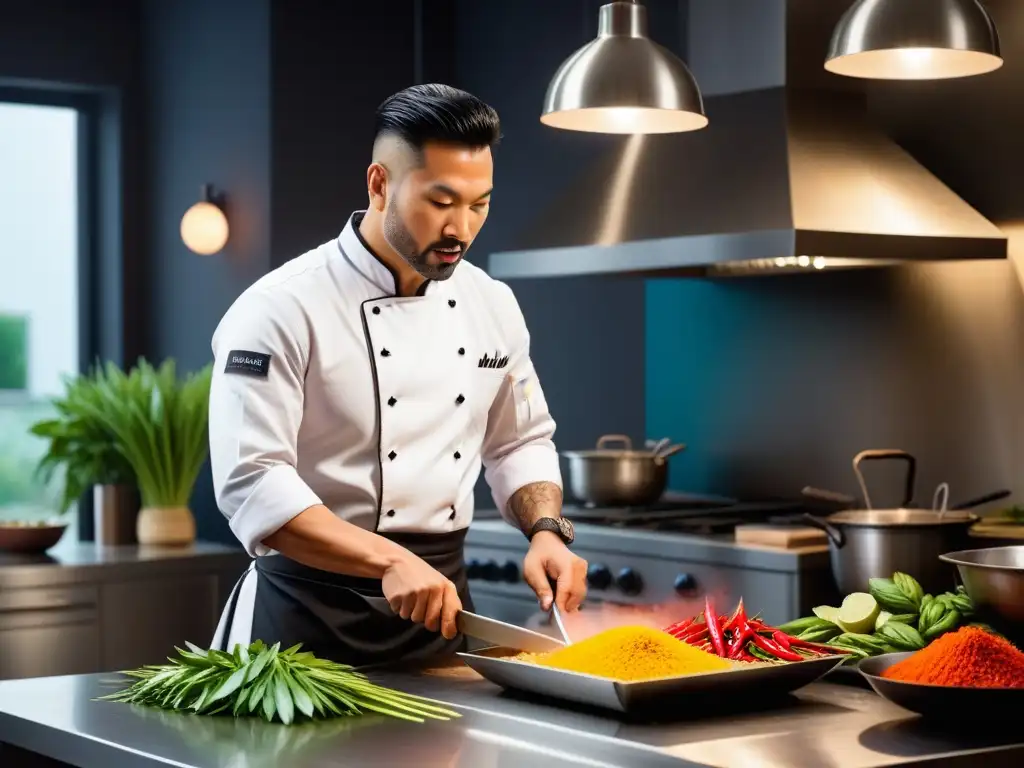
{"x":295,"y":603}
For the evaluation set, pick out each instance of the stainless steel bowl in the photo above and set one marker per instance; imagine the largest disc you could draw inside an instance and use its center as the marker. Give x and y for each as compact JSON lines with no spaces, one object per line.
{"x":994,"y":580}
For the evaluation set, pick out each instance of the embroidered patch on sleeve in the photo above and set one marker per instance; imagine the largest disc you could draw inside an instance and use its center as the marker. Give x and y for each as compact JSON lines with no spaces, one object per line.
{"x":248,"y":363}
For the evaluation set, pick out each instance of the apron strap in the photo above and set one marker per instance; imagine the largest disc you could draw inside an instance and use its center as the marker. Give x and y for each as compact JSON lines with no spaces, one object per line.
{"x":232,"y":605}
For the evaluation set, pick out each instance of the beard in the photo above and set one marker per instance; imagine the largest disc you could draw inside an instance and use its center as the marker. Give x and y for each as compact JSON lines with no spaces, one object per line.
{"x":404,"y":244}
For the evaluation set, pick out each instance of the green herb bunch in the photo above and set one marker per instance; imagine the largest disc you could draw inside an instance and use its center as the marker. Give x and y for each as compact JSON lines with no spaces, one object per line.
{"x":81,"y":444}
{"x":160,"y":426}
{"x":261,"y":680}
{"x":910,"y":619}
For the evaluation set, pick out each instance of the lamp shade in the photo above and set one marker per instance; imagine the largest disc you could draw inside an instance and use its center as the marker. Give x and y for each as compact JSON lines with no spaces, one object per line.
{"x":204,"y":227}
{"x":914,"y":40}
{"x":623,"y":82}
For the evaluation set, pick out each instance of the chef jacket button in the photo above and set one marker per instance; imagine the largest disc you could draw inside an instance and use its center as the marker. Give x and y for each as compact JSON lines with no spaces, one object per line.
{"x":452,"y":515}
{"x":458,"y":455}
{"x":376,"y":310}
{"x":385,"y":353}
{"x":451,"y":302}
{"x":391,"y":401}
{"x":462,"y":350}
{"x":392,"y":455}
{"x":391,"y":513}
{"x":460,"y":400}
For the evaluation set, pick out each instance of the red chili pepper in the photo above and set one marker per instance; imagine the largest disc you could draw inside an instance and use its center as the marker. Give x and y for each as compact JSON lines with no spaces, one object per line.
{"x":696,"y":638}
{"x":679,"y":625}
{"x":738,"y":618}
{"x":796,"y":642}
{"x":744,"y":656}
{"x":782,"y":639}
{"x":714,"y":629}
{"x":770,"y":646}
{"x":694,"y":629}
{"x":739,"y":642}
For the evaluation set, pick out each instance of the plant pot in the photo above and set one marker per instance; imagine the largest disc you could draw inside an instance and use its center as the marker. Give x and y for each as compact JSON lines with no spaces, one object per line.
{"x":114,"y":514}
{"x":165,"y":525}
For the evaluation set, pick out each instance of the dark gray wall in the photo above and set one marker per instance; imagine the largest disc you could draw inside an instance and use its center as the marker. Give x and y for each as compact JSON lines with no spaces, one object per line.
{"x":777,"y":382}
{"x":208,"y":117}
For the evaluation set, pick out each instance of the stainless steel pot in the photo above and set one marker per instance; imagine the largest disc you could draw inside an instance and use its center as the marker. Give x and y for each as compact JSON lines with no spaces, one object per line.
{"x":619,"y":476}
{"x":868,"y":544}
{"x":875,"y":543}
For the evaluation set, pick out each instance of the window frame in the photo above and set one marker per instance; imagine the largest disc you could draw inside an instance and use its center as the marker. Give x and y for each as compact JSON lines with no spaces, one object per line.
{"x":100,"y":302}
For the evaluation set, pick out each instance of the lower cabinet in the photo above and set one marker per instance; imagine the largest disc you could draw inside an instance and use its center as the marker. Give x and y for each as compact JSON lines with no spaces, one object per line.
{"x":122,"y":620}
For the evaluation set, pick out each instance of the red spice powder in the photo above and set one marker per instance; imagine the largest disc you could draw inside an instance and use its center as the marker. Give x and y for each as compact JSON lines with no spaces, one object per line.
{"x":969,"y":657}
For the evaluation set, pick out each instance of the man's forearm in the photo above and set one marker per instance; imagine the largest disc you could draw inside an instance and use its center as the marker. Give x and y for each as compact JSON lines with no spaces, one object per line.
{"x":320,"y":539}
{"x":534,"y":501}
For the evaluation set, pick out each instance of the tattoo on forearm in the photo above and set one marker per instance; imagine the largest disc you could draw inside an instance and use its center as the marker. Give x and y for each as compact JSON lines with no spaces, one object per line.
{"x":534,"y":501}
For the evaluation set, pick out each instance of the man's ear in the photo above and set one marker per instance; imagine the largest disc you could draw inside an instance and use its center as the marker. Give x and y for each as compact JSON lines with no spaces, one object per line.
{"x":377,"y":185}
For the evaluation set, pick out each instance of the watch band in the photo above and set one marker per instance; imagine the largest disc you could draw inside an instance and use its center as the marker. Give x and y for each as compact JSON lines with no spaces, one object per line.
{"x":557,"y":525}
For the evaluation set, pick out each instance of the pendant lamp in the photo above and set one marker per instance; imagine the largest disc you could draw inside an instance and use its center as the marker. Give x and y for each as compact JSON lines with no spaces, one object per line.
{"x":623,"y":82}
{"x":914,"y":40}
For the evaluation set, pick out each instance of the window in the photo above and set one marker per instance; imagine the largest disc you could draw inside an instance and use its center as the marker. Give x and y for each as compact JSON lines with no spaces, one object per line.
{"x":39,"y":290}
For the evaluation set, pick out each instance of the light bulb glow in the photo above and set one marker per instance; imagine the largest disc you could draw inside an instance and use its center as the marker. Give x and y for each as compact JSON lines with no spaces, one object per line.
{"x":204,"y":228}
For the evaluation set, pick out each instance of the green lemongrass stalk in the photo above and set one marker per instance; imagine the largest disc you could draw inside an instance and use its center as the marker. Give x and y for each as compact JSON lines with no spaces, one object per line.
{"x":286,"y":686}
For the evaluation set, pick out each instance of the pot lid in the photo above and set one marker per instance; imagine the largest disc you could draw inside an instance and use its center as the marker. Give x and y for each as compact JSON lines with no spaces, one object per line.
{"x":885,"y":518}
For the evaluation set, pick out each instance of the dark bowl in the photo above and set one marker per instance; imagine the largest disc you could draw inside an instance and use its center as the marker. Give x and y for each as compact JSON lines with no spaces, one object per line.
{"x":30,"y":538}
{"x":979,"y":705}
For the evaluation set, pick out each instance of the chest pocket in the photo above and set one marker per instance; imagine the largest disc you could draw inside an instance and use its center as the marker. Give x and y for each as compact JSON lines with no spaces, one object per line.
{"x":488,"y":386}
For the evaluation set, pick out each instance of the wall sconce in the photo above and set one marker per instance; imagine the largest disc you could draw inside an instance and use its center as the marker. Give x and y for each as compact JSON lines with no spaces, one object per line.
{"x":204,"y":227}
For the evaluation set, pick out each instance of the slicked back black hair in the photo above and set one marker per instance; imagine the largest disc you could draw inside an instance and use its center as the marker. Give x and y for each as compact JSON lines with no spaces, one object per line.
{"x":435,"y":112}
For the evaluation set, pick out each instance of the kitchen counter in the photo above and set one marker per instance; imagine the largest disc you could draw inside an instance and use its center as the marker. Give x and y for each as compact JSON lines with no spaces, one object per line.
{"x":71,"y":561}
{"x":823,"y":725}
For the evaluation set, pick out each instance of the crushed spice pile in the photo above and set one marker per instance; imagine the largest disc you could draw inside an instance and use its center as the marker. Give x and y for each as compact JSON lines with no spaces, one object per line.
{"x":969,"y":657}
{"x":631,"y":653}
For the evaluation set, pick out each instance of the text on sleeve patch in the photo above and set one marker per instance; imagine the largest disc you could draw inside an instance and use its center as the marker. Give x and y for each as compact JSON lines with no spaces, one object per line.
{"x":248,"y":363}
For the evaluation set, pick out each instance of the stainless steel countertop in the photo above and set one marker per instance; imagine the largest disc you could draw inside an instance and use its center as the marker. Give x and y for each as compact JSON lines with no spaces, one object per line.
{"x":824,"y":725}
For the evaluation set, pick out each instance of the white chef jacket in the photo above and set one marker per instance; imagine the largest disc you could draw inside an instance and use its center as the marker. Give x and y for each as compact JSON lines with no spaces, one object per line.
{"x":330,"y":389}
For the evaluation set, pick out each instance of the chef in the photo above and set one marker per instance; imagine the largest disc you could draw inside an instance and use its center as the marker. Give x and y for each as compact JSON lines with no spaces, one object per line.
{"x":357,"y":391}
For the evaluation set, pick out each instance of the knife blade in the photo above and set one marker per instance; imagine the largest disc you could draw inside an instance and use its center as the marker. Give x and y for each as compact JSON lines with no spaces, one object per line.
{"x":505,"y":635}
{"x":489,"y":630}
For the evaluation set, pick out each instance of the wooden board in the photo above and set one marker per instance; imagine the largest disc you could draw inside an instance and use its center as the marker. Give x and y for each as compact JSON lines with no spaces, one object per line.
{"x":780,"y":536}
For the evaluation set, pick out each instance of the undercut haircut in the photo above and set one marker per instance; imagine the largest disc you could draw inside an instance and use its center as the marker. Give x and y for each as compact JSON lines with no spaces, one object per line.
{"x":434,"y":112}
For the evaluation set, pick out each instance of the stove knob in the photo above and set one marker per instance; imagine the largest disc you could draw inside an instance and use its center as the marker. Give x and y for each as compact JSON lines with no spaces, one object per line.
{"x":629,"y":581}
{"x":510,"y":572}
{"x":490,"y":570}
{"x":598,"y":576}
{"x":473,"y":568}
{"x":685,"y":583}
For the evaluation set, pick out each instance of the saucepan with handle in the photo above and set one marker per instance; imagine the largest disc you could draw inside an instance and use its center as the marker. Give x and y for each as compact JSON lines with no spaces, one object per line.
{"x":620,"y":476}
{"x":875,"y":543}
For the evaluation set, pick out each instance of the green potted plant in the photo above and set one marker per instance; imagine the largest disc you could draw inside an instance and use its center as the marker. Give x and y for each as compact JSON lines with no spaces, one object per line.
{"x":159,"y":425}
{"x":82,"y":450}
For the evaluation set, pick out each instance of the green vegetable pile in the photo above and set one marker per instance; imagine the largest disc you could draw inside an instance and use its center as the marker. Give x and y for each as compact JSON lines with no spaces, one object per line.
{"x":894,"y":615}
{"x":268,"y":682}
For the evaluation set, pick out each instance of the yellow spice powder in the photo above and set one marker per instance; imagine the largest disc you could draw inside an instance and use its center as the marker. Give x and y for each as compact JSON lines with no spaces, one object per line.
{"x":630,"y":653}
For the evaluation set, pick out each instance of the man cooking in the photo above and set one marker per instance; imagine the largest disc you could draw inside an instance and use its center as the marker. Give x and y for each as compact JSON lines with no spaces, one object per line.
{"x":357,"y":391}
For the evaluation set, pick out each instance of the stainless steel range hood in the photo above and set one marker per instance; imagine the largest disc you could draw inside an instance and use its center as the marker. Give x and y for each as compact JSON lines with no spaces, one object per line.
{"x":790,"y":175}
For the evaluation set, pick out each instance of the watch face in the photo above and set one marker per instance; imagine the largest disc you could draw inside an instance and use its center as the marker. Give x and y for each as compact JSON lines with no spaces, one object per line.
{"x":565,"y":527}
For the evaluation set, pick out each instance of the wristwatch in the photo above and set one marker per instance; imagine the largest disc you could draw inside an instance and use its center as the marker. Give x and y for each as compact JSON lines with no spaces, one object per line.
{"x":558,"y":525}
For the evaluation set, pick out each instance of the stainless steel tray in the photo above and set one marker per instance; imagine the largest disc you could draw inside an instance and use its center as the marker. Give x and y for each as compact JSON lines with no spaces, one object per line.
{"x":761,"y":682}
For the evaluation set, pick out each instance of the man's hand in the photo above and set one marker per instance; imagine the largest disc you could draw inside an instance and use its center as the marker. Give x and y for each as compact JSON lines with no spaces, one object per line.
{"x":420,"y":593}
{"x":549,"y":558}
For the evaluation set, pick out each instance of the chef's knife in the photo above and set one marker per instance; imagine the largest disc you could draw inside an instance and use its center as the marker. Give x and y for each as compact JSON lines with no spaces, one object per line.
{"x":489,"y":630}
{"x":505,"y":635}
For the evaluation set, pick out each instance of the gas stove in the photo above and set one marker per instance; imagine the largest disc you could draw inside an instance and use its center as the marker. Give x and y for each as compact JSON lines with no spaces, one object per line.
{"x":671,"y":552}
